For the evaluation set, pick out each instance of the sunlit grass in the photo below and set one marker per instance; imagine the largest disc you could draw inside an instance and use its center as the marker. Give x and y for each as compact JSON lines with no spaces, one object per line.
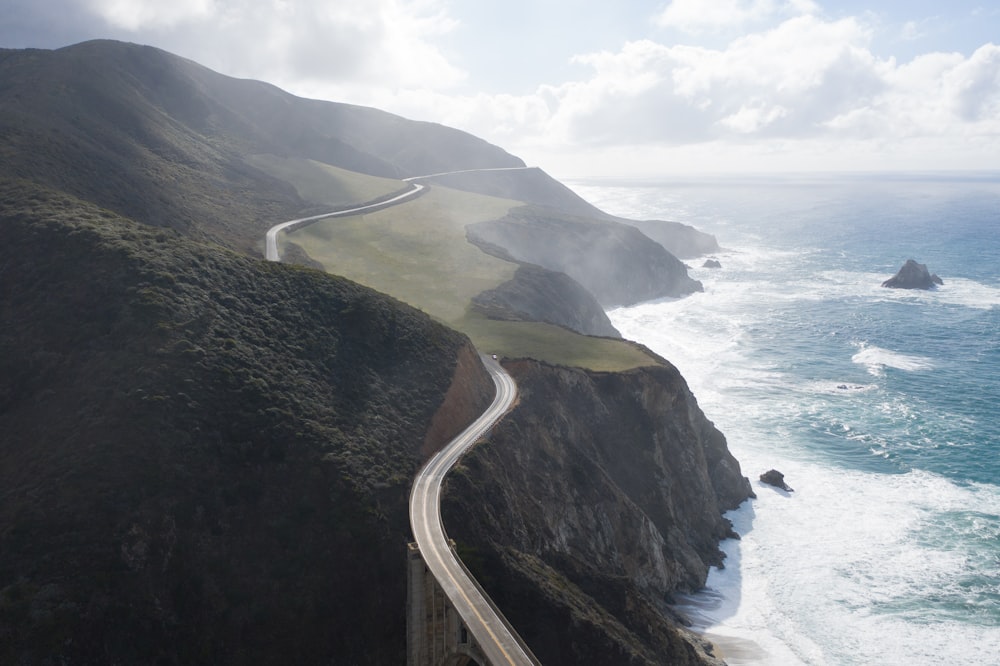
{"x":325,"y":184}
{"x":553,"y":344}
{"x":418,"y":253}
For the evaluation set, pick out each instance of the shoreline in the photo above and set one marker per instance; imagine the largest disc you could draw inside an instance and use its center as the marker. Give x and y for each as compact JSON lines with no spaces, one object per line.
{"x":733,"y":650}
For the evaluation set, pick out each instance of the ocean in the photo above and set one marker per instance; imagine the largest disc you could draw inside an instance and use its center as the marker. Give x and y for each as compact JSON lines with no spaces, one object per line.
{"x":880,"y":406}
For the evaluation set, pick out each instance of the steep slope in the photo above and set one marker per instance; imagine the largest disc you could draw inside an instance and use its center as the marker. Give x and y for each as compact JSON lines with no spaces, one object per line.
{"x":613,"y":261}
{"x":536,"y":294}
{"x":598,"y":498}
{"x":204,"y":456}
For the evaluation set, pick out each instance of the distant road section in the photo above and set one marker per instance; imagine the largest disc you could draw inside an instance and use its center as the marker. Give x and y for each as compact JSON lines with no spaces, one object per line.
{"x":448,"y":173}
{"x":494,"y":634}
{"x":271,"y":240}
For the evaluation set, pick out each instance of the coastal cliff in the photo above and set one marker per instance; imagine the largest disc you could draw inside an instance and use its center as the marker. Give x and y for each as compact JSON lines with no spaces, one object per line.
{"x":615,"y":262}
{"x":598,"y":497}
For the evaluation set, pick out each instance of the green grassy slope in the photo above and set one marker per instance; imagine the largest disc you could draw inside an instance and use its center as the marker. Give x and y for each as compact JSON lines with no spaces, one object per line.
{"x":205,"y":458}
{"x":418,"y":253}
{"x":324,"y":184}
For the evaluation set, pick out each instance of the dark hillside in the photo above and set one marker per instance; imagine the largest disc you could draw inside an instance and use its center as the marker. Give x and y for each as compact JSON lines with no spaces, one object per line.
{"x":162,"y":140}
{"x":205,"y":458}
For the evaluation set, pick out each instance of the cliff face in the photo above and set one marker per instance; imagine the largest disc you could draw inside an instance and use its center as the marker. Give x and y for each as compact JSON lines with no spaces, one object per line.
{"x":613,"y":261}
{"x":537,"y":294}
{"x":597,"y":498}
{"x":680,"y":240}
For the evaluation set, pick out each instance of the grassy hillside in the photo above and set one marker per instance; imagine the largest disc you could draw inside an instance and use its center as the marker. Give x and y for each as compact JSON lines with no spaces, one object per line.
{"x":205,"y":458}
{"x":418,"y":252}
{"x":323,"y":184}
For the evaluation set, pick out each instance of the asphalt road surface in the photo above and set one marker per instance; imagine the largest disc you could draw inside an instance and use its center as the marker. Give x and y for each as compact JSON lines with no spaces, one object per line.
{"x":497,"y":639}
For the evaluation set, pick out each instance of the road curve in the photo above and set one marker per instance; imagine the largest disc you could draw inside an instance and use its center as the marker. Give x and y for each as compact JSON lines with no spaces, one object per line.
{"x":496,"y":637}
{"x":498,"y":640}
{"x":271,"y":239}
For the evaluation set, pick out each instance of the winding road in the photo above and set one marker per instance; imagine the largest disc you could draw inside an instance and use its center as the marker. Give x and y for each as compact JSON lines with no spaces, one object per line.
{"x":271,"y":239}
{"x":495,"y":636}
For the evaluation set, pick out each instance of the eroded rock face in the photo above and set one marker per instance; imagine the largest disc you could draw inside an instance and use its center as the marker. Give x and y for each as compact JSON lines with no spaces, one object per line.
{"x":913,"y":276}
{"x":598,"y":497}
{"x":537,"y":294}
{"x":615,"y":262}
{"x":773,"y":477}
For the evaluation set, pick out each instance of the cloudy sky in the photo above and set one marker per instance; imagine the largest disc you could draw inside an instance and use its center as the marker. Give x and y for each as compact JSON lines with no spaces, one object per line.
{"x":605,"y":88}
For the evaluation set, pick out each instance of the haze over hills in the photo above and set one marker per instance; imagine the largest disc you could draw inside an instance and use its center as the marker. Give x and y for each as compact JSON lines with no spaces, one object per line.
{"x":207,"y":456}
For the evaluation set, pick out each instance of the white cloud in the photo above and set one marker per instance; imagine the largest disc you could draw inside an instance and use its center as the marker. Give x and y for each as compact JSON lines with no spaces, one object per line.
{"x":792,"y":84}
{"x":807,"y":90}
{"x":912,"y":31}
{"x":301,"y":45}
{"x":133,"y":15}
{"x":700,"y":16}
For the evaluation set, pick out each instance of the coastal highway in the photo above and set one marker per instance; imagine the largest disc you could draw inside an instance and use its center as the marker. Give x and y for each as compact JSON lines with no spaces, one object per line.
{"x":271,"y":239}
{"x":499,"y":642}
{"x":449,"y":173}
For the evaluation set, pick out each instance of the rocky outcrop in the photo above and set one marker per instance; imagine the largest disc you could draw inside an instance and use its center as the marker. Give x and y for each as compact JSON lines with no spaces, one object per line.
{"x":773,"y":477}
{"x":598,"y":497}
{"x":680,"y":240}
{"x":913,"y":276}
{"x":537,"y":294}
{"x":613,"y":261}
{"x":711,"y":263}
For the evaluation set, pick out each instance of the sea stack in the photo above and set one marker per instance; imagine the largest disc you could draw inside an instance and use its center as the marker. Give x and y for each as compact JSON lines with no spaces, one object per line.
{"x":773,"y":477}
{"x":913,"y":276}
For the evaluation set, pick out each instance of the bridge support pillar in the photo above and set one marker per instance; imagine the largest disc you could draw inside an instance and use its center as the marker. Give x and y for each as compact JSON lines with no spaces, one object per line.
{"x":435,"y":633}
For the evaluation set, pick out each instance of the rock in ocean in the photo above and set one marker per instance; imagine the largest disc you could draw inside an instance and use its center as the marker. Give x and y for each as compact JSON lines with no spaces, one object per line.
{"x":913,"y":276}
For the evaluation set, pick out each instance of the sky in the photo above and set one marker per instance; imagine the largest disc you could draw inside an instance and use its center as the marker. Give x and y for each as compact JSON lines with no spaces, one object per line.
{"x":605,"y":89}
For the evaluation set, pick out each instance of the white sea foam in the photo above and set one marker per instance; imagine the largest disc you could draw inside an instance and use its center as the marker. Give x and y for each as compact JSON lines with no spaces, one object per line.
{"x":868,"y":561}
{"x":877,"y":359}
{"x":838,"y":571}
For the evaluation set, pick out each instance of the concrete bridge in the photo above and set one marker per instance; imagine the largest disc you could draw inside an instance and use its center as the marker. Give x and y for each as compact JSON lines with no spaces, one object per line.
{"x":451,"y":621}
{"x":435,"y":632}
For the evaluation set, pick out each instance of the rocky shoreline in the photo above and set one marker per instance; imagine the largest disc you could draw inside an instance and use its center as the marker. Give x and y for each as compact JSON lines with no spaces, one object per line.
{"x":598,"y":498}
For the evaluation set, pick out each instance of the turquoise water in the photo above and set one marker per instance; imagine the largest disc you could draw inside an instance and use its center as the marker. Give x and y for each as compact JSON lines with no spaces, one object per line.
{"x":882,"y":408}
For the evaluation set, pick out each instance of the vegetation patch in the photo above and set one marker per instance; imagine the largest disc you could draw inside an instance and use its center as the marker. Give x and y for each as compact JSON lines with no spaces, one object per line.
{"x":204,"y":455}
{"x":418,"y":253}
